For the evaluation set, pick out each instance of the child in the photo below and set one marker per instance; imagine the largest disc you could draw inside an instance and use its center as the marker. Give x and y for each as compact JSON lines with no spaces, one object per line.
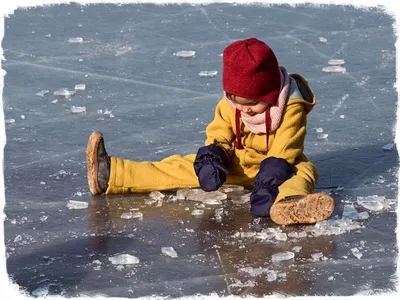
{"x":256,"y":138}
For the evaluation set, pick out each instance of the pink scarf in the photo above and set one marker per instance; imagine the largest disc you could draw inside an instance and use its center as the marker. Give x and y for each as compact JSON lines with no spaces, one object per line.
{"x":256,"y":124}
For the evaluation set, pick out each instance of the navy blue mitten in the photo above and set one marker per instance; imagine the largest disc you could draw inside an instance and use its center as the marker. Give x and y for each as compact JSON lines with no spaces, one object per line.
{"x":273,"y":172}
{"x":210,"y":166}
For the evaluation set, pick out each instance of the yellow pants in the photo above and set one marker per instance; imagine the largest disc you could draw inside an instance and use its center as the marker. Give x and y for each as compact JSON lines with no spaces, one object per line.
{"x":177,"y":172}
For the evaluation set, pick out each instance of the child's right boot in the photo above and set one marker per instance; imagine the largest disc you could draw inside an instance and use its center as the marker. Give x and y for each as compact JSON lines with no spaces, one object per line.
{"x":98,"y":164}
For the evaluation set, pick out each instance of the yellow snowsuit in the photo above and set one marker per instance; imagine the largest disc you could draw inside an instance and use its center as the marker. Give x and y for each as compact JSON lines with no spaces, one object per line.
{"x":177,"y":172}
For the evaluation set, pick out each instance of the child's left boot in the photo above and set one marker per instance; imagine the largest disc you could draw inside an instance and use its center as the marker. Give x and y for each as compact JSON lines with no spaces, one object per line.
{"x":306,"y":209}
{"x":98,"y":164}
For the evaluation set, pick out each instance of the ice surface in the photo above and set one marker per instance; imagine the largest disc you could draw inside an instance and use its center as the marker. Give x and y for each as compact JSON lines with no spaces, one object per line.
{"x":163,"y":105}
{"x":73,"y":204}
{"x":282,"y":256}
{"x":334,"y":69}
{"x":185,"y":54}
{"x":75,"y":40}
{"x":336,"y":62}
{"x":199,"y":195}
{"x":212,"y":73}
{"x":78,"y":109}
{"x":169,"y":251}
{"x":124,"y":259}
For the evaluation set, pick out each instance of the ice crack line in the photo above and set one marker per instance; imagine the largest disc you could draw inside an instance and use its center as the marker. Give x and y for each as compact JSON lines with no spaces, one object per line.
{"x":115,"y":78}
{"x":204,"y":12}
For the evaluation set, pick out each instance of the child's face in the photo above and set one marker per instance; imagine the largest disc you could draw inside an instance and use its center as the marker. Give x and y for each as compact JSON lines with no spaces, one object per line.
{"x":248,"y":106}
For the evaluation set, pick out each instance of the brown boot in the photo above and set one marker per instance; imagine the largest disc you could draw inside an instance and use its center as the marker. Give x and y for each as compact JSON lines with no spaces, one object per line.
{"x":307,"y":209}
{"x":98,"y":164}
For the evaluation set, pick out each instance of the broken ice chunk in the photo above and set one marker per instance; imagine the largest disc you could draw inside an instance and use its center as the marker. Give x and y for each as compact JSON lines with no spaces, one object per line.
{"x":208,"y":74}
{"x":169,"y":251}
{"x":282,"y":256}
{"x":156,"y":195}
{"x":132,"y":215}
{"x":281,"y":236}
{"x":80,"y":87}
{"x":41,"y":291}
{"x":341,"y":116}
{"x":316,"y":256}
{"x":297,"y":249}
{"x":330,"y":278}
{"x":242,"y":199}
{"x":73,"y":204}
{"x":272,"y":276}
{"x":18,"y":238}
{"x":197,"y":212}
{"x":350,"y":212}
{"x":185,"y":54}
{"x":123,"y":259}
{"x":374,"y":203}
{"x":42,"y":93}
{"x":322,"y":40}
{"x":336,"y":62}
{"x":322,"y":136}
{"x":334,"y":69}
{"x":199,"y":195}
{"x":54,"y":101}
{"x":9,"y":121}
{"x":388,"y":147}
{"x":78,"y":109}
{"x":356,"y":253}
{"x":319,"y":130}
{"x":64,"y":92}
{"x":227,"y":188}
{"x":363,"y":215}
{"x":212,"y":202}
{"x":75,"y":40}
{"x":22,"y":117}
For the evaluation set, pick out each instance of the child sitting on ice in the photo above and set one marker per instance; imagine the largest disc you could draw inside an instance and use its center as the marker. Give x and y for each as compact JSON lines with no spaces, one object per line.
{"x":256,"y":139}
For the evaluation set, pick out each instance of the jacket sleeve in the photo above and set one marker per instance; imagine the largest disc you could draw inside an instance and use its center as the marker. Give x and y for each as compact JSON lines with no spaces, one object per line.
{"x":289,"y":138}
{"x":220,"y":130}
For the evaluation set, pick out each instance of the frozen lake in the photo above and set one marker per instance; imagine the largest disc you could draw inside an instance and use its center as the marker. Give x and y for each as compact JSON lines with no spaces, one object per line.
{"x":150,"y":104}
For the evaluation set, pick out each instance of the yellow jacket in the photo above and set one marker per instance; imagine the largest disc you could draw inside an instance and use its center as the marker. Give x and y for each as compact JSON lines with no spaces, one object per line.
{"x":286,"y":142}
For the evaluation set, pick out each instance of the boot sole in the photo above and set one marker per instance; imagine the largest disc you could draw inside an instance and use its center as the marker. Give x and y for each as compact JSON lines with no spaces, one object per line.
{"x":92,"y":163}
{"x":311,"y":209}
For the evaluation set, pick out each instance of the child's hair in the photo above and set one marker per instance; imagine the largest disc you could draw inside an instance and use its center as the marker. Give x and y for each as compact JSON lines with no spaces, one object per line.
{"x":230,"y":96}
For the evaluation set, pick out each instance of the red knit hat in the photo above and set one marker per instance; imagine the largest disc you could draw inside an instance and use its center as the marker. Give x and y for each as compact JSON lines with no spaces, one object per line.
{"x":251,"y":70}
